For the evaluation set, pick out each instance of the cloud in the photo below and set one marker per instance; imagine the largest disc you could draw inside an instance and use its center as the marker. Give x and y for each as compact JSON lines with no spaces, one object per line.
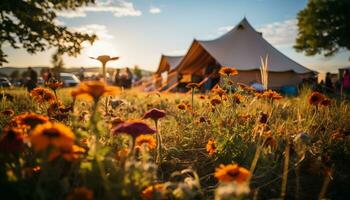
{"x":100,"y":30}
{"x":155,"y":10}
{"x":280,"y":33}
{"x":224,"y":29}
{"x":119,"y":8}
{"x":177,"y":52}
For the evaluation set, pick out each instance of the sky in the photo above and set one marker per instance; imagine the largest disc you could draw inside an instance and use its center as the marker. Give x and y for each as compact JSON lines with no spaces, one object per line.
{"x":139,"y":31}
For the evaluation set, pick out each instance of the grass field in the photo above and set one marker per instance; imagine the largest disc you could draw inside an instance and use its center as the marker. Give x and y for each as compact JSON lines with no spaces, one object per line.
{"x":220,"y":145}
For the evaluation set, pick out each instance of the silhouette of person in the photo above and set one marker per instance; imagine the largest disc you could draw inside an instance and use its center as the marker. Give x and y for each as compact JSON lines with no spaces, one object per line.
{"x":346,"y":82}
{"x":129,"y":78}
{"x":33,"y":79}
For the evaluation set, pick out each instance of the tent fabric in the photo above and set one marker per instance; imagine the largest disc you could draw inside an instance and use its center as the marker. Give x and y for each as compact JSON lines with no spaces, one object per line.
{"x":240,"y":48}
{"x":168,"y":63}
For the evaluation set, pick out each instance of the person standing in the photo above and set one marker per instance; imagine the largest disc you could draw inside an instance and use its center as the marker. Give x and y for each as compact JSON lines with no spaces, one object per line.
{"x":129,"y":78}
{"x":329,"y":83}
{"x":81,"y":74}
{"x":33,"y":79}
{"x":117,"y":77}
{"x":346,"y":82}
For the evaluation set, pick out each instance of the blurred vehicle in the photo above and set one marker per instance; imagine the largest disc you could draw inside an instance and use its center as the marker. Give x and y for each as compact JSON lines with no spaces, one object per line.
{"x":41,"y":81}
{"x":69,"y":80}
{"x":5,"y":82}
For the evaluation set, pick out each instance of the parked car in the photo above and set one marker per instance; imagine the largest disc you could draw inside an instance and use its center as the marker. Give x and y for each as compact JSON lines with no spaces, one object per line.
{"x":69,"y":80}
{"x":5,"y":82}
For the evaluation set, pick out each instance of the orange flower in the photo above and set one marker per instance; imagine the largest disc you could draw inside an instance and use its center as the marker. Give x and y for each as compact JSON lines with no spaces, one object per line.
{"x":42,"y":95}
{"x":148,"y":140}
{"x":81,"y":193}
{"x":71,"y":154}
{"x":7,"y":112}
{"x":133,"y":128}
{"x":215,"y":101}
{"x":181,"y":107}
{"x":271,"y":95}
{"x":93,"y":90}
{"x":325,"y":102}
{"x":228,"y":71}
{"x":122,"y":154}
{"x":55,"y":134}
{"x":232,"y":172}
{"x":28,"y":119}
{"x":219,"y":91}
{"x":245,"y":87}
{"x":54,"y":84}
{"x":193,"y":85}
{"x":315,"y":98}
{"x":12,"y":140}
{"x":211,"y":147}
{"x":154,"y":192}
{"x":237,"y":98}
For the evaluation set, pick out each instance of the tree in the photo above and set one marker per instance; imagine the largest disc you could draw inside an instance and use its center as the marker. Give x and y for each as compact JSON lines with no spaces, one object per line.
{"x":31,"y":24}
{"x":324,"y":27}
{"x":58,"y":64}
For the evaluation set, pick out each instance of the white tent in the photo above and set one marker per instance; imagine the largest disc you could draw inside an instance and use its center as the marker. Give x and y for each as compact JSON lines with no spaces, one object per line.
{"x":242,"y":48}
{"x":168,"y":64}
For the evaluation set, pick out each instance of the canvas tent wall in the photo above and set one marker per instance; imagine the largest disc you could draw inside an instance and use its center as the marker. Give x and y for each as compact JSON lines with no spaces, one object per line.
{"x":242,"y":48}
{"x":168,"y":64}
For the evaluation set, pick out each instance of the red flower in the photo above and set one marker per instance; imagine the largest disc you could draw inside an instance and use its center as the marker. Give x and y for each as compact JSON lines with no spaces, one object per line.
{"x":133,"y":128}
{"x":154,"y":114}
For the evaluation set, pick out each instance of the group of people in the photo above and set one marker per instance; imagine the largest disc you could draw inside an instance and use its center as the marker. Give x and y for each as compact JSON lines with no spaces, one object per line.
{"x":32,"y":78}
{"x":342,"y":85}
{"x":123,"y":79}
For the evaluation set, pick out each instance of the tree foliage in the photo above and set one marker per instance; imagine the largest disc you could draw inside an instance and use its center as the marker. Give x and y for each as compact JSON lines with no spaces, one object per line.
{"x":32,"y":25}
{"x":324,"y":27}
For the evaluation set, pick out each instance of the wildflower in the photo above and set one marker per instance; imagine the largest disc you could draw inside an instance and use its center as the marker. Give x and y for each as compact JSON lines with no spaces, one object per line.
{"x":154,"y":192}
{"x":211,"y":147}
{"x":54,"y":84}
{"x":94,"y":90}
{"x":12,"y":140}
{"x":133,"y":128}
{"x":7,"y":112}
{"x":232,"y":172}
{"x":219,"y":91}
{"x":122,"y":154}
{"x":42,"y":95}
{"x":273,"y":95}
{"x":246,"y":88}
{"x":71,"y":154}
{"x":29,"y":119}
{"x":154,"y":114}
{"x":148,"y":140}
{"x":55,"y":134}
{"x":315,"y":98}
{"x":270,"y":142}
{"x":80,"y":193}
{"x":202,"y":97}
{"x":215,"y":101}
{"x":325,"y":102}
{"x":237,"y":98}
{"x":263,"y":118}
{"x":181,"y":106}
{"x":228,"y":71}
{"x":193,"y":85}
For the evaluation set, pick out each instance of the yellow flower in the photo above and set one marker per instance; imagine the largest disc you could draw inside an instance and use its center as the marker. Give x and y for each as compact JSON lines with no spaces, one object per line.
{"x":232,"y":172}
{"x":211,"y":148}
{"x":71,"y":154}
{"x":154,"y":192}
{"x":148,"y":140}
{"x":42,"y":95}
{"x":228,"y":71}
{"x":93,"y":90}
{"x":54,"y":134}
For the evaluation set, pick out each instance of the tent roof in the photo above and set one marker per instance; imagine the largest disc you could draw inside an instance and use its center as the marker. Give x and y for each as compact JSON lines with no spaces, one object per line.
{"x":168,"y":63}
{"x":241,"y":48}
